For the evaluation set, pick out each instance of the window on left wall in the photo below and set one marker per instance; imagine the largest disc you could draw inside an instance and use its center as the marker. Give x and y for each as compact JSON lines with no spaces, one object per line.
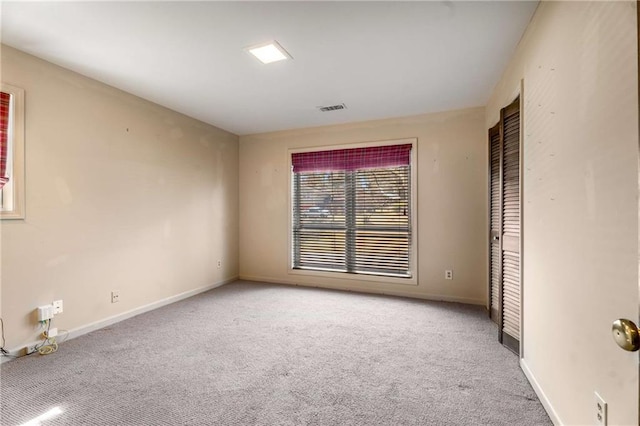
{"x":11,"y":152}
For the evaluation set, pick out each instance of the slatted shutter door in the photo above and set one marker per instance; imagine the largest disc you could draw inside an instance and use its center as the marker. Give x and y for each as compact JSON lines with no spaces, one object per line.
{"x":510,"y":121}
{"x":495,"y":213}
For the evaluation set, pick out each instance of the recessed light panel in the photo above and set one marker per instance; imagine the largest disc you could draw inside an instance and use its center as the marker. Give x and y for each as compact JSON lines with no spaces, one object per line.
{"x":269,"y":52}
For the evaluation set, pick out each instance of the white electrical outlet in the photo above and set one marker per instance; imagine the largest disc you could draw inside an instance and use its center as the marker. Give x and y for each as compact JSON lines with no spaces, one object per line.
{"x":53,"y":332}
{"x":115,"y":296}
{"x":57,"y":306}
{"x":219,"y":263}
{"x":448,"y":274}
{"x":600,"y":410}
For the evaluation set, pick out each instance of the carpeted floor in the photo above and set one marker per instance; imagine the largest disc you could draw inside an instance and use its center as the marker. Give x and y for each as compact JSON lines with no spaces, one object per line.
{"x":260,"y":354}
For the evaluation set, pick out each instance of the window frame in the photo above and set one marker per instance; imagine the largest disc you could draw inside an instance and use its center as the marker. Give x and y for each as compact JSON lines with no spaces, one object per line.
{"x":413,"y":279}
{"x":16,"y":154}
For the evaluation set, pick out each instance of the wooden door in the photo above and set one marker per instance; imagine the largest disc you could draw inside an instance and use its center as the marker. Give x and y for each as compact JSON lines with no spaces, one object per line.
{"x":510,"y":238}
{"x":495,"y":224}
{"x":504,"y":232}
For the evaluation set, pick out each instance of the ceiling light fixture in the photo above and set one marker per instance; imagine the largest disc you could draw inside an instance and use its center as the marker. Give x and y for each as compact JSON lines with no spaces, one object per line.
{"x":269,"y":52}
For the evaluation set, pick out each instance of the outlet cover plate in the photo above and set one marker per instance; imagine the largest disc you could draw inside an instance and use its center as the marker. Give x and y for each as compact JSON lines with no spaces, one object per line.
{"x":57,"y":306}
{"x":600,"y":410}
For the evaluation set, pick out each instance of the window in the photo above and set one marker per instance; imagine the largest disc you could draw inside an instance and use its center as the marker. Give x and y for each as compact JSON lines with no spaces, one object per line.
{"x":352,"y":210}
{"x":11,"y":152}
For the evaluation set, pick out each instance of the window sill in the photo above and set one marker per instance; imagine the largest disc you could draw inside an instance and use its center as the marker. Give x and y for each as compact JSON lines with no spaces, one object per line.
{"x":356,"y":277}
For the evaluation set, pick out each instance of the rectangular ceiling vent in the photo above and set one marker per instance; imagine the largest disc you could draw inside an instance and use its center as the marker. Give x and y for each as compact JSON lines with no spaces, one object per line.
{"x":332,"y":107}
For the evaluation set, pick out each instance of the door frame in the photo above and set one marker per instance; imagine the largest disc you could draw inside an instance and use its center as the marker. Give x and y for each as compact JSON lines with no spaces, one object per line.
{"x":521,"y":176}
{"x":638,"y":152}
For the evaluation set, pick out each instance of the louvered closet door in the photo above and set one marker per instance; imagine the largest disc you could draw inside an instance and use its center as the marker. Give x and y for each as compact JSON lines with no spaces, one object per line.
{"x":495,"y":226}
{"x":510,"y":132}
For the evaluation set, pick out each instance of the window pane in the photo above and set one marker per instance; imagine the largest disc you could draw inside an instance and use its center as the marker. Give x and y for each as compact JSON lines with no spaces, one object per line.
{"x":382,"y":234}
{"x":382,"y":252}
{"x":382,"y":198}
{"x":319,"y":221}
{"x":322,"y":249}
{"x":321,"y":199}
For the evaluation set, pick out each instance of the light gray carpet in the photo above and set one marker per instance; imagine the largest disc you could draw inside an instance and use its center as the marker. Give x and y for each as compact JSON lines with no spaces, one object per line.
{"x":259,"y":354}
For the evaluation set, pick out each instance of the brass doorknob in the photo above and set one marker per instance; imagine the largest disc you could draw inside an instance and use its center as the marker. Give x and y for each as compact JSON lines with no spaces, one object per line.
{"x":626,"y":335}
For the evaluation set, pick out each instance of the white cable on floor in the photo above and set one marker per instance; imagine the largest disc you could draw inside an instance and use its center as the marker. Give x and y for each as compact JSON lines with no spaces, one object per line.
{"x":49,"y":348}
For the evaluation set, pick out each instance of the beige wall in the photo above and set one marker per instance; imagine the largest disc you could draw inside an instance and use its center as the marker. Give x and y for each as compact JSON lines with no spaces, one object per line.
{"x":451,"y":202}
{"x":579,"y":65}
{"x":121,"y":194}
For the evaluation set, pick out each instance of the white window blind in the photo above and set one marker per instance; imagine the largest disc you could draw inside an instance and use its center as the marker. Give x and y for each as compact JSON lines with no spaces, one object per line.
{"x":354,"y":217}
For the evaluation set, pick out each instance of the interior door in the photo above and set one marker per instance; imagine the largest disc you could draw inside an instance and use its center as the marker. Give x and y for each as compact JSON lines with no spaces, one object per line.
{"x":510,"y":237}
{"x":504,"y":235}
{"x":495,"y":225}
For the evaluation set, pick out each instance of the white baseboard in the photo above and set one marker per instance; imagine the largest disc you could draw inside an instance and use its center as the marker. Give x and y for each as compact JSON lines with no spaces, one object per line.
{"x":88,"y":328}
{"x":413,"y":295}
{"x":541,"y":395}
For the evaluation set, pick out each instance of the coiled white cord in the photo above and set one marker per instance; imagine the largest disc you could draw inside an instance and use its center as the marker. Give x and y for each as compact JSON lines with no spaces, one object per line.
{"x":49,"y":344}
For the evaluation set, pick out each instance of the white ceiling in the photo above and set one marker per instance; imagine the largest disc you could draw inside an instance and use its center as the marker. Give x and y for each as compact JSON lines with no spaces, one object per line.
{"x":382,"y":59}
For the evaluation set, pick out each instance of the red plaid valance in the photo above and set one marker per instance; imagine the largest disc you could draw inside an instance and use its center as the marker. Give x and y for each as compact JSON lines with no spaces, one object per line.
{"x":352,"y":159}
{"x":5,"y":102}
